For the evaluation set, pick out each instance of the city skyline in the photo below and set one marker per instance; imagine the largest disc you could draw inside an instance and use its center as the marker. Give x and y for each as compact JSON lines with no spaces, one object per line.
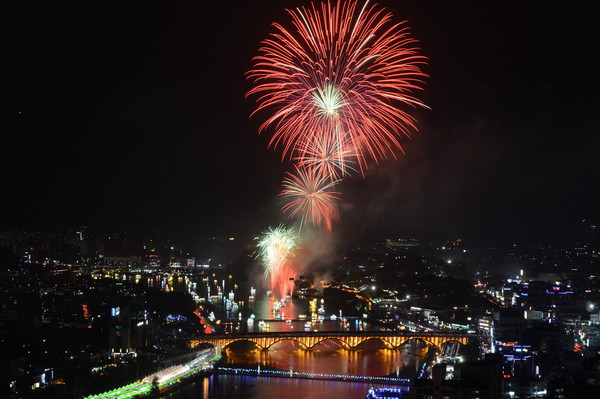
{"x":360,"y":198}
{"x":136,"y":117}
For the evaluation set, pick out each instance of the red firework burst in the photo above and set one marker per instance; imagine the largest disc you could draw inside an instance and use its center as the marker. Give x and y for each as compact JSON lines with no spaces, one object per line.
{"x":331,"y":155}
{"x":310,"y":196}
{"x":342,"y":67}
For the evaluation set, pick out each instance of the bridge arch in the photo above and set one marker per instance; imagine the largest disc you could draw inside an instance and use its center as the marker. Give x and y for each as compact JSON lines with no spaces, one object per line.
{"x":407,"y":340}
{"x":298,"y":340}
{"x":337,"y":339}
{"x":227,"y":343}
{"x":386,"y":342}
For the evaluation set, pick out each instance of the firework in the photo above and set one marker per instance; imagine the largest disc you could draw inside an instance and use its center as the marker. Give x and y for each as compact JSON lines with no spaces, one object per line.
{"x":310,"y":196}
{"x":342,"y":68}
{"x":331,"y":155}
{"x":276,"y":250}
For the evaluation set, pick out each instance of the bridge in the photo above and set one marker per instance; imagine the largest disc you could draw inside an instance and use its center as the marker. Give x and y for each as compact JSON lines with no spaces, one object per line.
{"x":348,"y":339}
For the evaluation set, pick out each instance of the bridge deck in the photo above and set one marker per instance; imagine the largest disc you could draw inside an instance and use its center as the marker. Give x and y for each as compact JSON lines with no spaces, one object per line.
{"x":350,"y":339}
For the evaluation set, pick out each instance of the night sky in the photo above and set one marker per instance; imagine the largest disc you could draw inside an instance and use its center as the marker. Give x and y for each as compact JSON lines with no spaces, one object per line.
{"x":133,"y":115}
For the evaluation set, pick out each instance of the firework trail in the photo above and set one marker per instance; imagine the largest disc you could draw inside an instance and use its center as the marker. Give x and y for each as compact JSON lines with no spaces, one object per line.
{"x":311,"y":194}
{"x":342,"y":67}
{"x":276,"y":250}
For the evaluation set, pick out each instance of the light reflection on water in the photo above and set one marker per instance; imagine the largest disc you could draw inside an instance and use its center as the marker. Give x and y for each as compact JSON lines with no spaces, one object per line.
{"x":234,"y":387}
{"x":261,"y":307}
{"x":327,"y":358}
{"x":287,"y":317}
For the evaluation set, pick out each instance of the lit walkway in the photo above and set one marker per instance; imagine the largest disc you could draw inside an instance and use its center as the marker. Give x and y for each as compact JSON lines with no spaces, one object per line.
{"x":165,"y":377}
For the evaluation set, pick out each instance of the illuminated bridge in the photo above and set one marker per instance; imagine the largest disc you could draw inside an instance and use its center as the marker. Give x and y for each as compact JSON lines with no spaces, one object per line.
{"x":348,"y":339}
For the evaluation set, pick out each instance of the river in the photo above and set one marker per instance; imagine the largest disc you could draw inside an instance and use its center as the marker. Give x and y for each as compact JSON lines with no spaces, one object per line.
{"x":234,"y":387}
{"x":328,"y":357}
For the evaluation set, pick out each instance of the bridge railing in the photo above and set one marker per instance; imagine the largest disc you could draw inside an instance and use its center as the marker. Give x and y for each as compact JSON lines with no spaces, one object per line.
{"x":320,"y":376}
{"x":450,"y":334}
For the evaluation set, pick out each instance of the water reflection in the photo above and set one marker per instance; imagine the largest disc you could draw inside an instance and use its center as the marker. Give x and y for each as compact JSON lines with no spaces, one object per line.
{"x":327,"y":358}
{"x":237,"y":306}
{"x":371,"y":359}
{"x":234,"y":387}
{"x":249,"y":306}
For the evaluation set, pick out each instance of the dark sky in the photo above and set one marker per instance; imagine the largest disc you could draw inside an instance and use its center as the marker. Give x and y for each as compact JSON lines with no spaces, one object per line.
{"x":133,"y":114}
